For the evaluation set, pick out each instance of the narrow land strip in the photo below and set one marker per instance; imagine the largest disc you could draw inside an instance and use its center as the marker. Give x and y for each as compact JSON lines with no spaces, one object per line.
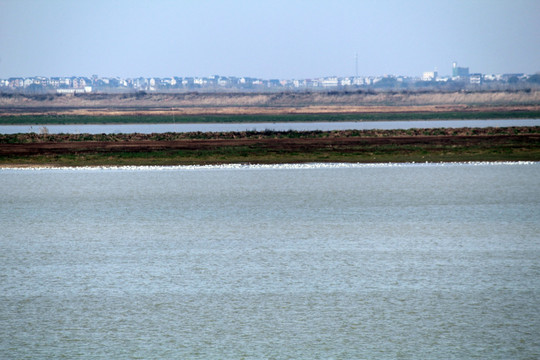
{"x":414,"y":145}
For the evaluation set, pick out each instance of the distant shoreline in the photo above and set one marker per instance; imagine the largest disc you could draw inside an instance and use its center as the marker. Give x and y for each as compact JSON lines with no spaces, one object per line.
{"x":270,"y":147}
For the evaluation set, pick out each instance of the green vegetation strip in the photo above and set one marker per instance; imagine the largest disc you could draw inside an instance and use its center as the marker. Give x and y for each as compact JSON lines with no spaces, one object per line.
{"x":22,"y":138}
{"x":241,"y":155}
{"x":161,"y":119}
{"x":424,"y":145}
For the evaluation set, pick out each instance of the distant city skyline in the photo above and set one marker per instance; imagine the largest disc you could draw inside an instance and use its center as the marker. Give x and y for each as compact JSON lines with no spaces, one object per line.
{"x":277,"y":39}
{"x":461,"y":79}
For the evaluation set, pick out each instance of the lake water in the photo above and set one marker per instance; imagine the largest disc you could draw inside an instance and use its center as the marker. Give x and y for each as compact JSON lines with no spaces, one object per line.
{"x":298,"y":126}
{"x":383,"y":261}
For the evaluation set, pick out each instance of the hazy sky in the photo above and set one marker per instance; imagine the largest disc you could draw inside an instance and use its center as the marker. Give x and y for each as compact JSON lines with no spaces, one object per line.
{"x":266,"y":39}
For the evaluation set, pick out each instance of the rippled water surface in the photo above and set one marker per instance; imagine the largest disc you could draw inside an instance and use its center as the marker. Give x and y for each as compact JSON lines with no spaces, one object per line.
{"x":308,"y":261}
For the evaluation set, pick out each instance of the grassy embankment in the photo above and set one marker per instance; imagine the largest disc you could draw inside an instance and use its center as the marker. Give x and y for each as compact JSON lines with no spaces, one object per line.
{"x":258,"y":118}
{"x":415,"y":145}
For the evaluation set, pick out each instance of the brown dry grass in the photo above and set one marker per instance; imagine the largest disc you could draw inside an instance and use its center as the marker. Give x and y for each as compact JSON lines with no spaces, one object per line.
{"x":275,"y":103}
{"x":336,"y":109}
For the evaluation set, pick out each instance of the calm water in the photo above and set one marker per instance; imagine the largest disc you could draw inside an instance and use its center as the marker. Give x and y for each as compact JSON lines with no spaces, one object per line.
{"x":300,"y":126}
{"x":285,"y":262}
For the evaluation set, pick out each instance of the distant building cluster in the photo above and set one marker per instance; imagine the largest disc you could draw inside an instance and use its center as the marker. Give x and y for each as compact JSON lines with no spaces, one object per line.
{"x":461,"y":75}
{"x":460,"y":79}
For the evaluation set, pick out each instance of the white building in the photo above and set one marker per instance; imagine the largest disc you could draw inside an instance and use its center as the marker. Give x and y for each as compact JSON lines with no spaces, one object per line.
{"x":330,"y":82}
{"x":476,"y":79}
{"x":346,"y":81}
{"x":429,"y":76}
{"x":358,"y":81}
